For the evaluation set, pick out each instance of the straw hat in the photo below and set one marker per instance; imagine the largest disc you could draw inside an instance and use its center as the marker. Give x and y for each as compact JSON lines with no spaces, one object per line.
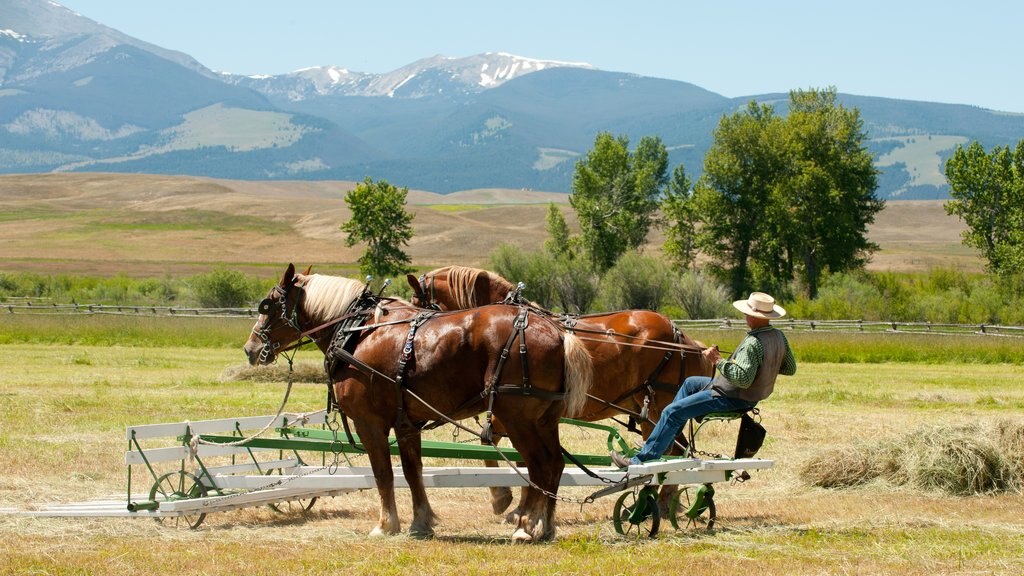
{"x":760,"y":305}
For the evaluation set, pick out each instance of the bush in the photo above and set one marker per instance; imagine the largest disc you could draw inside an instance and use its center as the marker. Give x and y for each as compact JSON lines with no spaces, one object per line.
{"x":635,"y":282}
{"x":223,"y":288}
{"x":700,"y":296}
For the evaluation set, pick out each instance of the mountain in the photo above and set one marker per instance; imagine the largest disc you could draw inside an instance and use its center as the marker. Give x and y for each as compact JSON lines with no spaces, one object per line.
{"x":78,"y":96}
{"x":429,"y":77}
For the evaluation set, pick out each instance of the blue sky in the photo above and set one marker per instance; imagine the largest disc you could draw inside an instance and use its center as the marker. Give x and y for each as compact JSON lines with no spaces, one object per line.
{"x":938,"y":50}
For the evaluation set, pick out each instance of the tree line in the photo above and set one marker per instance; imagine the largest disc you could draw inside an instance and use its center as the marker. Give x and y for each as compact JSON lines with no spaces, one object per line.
{"x":782,"y":205}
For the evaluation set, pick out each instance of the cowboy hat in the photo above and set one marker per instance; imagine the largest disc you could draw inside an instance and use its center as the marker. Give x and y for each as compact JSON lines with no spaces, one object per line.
{"x":760,"y":305}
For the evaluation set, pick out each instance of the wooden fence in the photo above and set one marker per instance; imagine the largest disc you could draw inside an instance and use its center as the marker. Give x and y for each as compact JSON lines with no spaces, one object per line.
{"x":24,"y":306}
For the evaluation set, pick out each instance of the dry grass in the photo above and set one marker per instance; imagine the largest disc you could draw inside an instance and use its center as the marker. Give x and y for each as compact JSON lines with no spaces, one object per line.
{"x":106,"y":224}
{"x":61,"y":439}
{"x":958,"y":460}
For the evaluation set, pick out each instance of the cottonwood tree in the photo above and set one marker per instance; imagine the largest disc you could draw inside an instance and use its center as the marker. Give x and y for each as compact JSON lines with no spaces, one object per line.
{"x":379,"y":219}
{"x":787,"y":198}
{"x":679,"y":221}
{"x":615,"y":194}
{"x":733,"y":195}
{"x":987,"y":191}
{"x":828,"y":197}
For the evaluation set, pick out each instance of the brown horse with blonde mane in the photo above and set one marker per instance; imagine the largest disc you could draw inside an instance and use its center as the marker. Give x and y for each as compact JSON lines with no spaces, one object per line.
{"x":410,"y":367}
{"x":640,"y":358}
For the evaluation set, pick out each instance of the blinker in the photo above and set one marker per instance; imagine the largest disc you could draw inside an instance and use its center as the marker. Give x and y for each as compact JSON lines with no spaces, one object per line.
{"x":265,"y":305}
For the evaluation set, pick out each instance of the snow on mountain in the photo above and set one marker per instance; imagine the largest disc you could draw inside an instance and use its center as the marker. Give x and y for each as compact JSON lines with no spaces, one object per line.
{"x":436,"y":75}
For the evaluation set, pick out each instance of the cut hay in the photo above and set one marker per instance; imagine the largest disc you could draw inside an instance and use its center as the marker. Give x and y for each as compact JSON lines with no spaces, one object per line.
{"x":961,"y":460}
{"x":301,"y":372}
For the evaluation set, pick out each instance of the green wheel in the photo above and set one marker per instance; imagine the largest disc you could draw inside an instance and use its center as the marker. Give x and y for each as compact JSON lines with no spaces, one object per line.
{"x":693,"y":507}
{"x":297,"y":506}
{"x":175,"y":486}
{"x":636,"y":514}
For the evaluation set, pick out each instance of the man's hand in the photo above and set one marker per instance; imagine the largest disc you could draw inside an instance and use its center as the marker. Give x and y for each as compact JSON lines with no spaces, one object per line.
{"x":712,"y":355}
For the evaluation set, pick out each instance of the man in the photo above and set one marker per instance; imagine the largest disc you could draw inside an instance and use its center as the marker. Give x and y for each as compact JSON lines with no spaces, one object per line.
{"x":746,"y":378}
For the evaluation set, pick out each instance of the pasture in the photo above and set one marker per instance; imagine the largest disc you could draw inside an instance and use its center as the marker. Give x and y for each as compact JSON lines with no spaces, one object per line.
{"x":71,"y":386}
{"x":147,"y":226}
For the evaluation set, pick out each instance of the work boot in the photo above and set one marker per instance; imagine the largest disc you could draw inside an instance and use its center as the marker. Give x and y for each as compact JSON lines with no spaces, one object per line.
{"x":620,"y":461}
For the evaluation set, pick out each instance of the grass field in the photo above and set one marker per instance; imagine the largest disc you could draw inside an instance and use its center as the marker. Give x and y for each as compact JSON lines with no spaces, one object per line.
{"x":72,"y":384}
{"x":69,"y":391}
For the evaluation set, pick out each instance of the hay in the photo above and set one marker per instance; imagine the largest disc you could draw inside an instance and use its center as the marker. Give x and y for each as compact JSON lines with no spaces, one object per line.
{"x":307,"y":372}
{"x":961,"y":460}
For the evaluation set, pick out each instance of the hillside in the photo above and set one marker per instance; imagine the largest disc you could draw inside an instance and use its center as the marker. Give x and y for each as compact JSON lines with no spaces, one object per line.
{"x":82,"y":97}
{"x":146,"y":225}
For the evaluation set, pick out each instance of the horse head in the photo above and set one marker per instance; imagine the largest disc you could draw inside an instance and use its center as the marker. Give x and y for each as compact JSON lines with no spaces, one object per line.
{"x":458,"y":288}
{"x":278,"y":323}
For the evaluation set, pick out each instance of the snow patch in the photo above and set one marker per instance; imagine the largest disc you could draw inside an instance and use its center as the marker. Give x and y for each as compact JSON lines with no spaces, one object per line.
{"x":391,"y":94}
{"x":12,"y":34}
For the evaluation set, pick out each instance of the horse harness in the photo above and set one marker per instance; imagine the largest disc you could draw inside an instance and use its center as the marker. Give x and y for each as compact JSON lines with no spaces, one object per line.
{"x":343,"y":346}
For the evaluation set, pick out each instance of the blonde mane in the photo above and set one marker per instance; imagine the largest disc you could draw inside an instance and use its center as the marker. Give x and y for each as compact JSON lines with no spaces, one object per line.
{"x":462,"y":284}
{"x":328,"y":297}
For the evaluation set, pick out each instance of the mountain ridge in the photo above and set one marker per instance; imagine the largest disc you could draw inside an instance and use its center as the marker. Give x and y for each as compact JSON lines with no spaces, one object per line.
{"x":79,"y":96}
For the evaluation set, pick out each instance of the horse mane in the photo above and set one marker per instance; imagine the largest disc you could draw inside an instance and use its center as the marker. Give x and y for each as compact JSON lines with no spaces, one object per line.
{"x":462,"y":284}
{"x":328,"y":297}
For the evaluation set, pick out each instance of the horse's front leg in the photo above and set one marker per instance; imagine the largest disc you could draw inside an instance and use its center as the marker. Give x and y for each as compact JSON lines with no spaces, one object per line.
{"x":501,"y":496}
{"x":410,"y":449}
{"x":374,"y":436}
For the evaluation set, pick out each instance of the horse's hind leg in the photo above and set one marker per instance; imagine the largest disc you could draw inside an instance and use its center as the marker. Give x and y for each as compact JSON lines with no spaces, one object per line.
{"x":537,"y":441}
{"x":410,"y":449}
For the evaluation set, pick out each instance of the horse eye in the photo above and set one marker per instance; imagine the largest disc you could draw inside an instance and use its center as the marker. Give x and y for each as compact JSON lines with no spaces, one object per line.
{"x":265,"y":306}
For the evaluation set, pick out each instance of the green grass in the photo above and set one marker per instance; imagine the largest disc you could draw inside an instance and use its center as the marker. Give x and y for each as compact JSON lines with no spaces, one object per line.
{"x":189,"y":219}
{"x":456,"y":207}
{"x":868,"y":348}
{"x":115,"y":330}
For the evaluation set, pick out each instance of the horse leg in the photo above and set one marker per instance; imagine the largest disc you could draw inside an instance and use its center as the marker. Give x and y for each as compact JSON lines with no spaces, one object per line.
{"x":501,"y":496}
{"x":374,"y":436}
{"x":410,"y":449}
{"x":536,"y":439}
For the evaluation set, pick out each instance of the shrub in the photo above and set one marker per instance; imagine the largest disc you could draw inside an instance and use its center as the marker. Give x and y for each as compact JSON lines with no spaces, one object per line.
{"x":700,"y":296}
{"x":223,"y":288}
{"x":635,"y":282}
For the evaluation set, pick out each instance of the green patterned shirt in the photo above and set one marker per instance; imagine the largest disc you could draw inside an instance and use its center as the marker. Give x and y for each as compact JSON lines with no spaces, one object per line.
{"x":741,"y":367}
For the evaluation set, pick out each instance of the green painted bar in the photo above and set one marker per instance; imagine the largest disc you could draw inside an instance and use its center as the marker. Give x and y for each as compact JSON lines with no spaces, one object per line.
{"x":317,"y":440}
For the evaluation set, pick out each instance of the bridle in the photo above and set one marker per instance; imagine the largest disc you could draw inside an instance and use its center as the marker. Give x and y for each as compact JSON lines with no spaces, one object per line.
{"x":430,"y":304}
{"x":264,"y":329}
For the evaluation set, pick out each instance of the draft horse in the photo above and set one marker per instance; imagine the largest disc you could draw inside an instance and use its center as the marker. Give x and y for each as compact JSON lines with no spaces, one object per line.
{"x":640,"y":358}
{"x":411,"y":367}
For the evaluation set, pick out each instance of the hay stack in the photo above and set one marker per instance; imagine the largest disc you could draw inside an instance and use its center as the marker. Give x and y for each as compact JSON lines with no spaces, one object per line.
{"x":960,"y":460}
{"x":307,"y":372}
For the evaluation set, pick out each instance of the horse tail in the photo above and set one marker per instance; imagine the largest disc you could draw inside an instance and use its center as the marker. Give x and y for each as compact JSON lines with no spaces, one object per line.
{"x":579,"y":373}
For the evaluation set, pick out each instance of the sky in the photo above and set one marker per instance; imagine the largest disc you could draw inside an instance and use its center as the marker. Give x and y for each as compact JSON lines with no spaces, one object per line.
{"x":936,"y":50}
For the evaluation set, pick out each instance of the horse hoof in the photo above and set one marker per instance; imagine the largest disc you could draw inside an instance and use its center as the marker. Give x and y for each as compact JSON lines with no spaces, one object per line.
{"x":421,"y":533}
{"x":501,"y":503}
{"x":521,"y":536}
{"x":379,"y":532}
{"x":513,"y":517}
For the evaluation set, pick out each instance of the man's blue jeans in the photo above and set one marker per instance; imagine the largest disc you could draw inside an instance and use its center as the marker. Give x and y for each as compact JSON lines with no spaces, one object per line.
{"x":694,"y":399}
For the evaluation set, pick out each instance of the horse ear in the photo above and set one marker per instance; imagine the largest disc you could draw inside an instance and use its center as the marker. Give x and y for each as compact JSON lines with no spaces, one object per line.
{"x":289,"y":276}
{"x":308,"y":270}
{"x":414,"y":283}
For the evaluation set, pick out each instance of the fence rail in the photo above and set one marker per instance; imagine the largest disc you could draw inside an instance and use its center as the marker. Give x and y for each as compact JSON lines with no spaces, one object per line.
{"x":28,"y":307}
{"x":866,"y":326}
{"x":22,"y":306}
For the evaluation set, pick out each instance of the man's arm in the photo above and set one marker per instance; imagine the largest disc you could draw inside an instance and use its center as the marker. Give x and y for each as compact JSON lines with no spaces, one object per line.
{"x":788,"y":367}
